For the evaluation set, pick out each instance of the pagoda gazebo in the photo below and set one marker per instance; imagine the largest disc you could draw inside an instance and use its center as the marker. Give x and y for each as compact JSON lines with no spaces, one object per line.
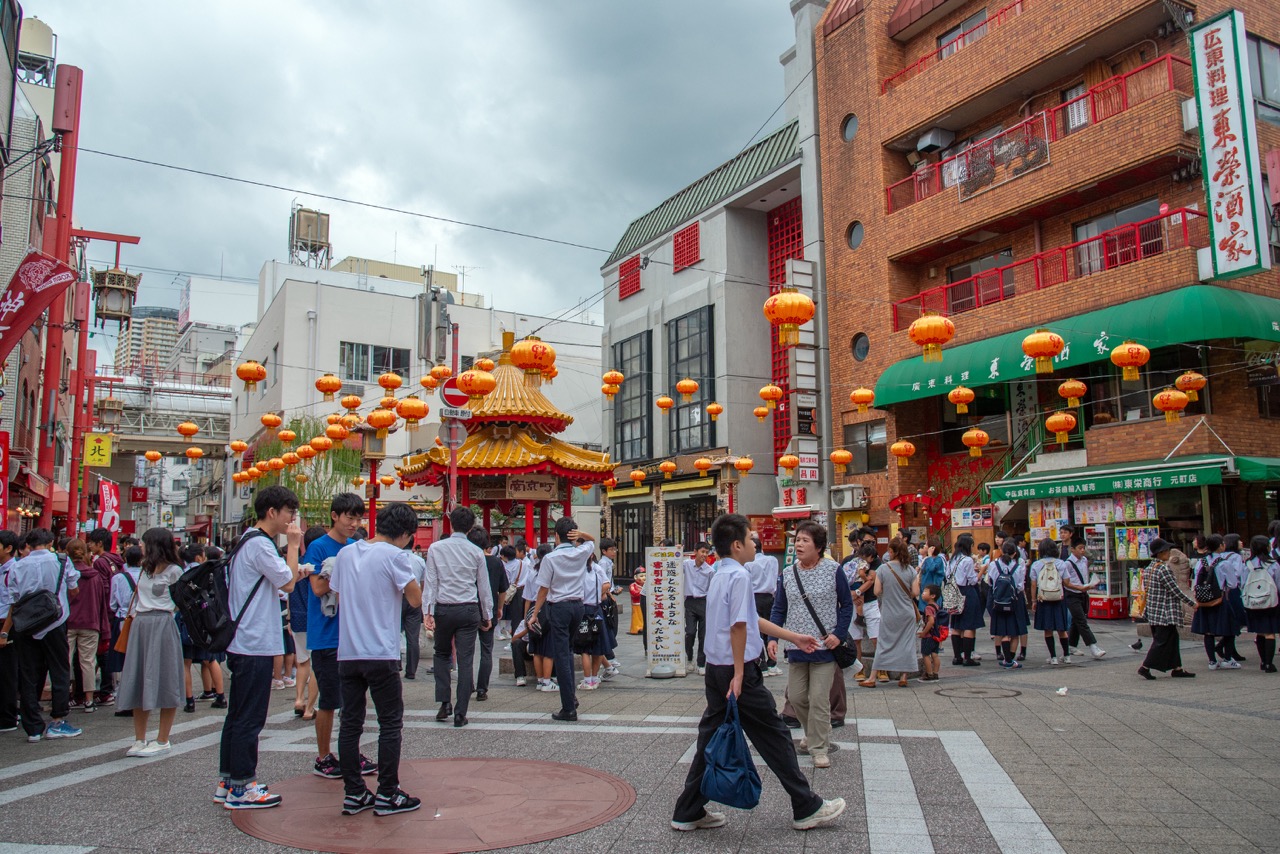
{"x":511,"y":457}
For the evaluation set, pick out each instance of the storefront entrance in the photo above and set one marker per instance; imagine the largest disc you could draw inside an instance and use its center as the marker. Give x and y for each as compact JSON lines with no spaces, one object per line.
{"x":631,"y":525}
{"x":689,"y":521}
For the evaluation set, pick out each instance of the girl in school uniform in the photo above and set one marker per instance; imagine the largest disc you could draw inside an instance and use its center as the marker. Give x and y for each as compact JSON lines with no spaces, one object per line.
{"x":1232,"y":551}
{"x":1264,"y":622}
{"x":962,"y":570}
{"x":1051,"y":617}
{"x":594,"y":588}
{"x":1212,"y":619}
{"x":1006,"y":628}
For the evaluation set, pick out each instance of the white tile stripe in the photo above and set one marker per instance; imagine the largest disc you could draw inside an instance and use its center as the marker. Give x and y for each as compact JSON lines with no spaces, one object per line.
{"x":22,"y":848}
{"x":1014,"y":823}
{"x":895,"y":821}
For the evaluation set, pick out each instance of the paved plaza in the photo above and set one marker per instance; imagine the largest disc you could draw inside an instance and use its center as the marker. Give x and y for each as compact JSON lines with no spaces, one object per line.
{"x":983,"y":761}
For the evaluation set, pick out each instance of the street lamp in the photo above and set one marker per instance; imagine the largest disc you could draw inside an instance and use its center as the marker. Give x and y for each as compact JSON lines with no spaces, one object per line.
{"x":110,"y":411}
{"x":114,"y":291}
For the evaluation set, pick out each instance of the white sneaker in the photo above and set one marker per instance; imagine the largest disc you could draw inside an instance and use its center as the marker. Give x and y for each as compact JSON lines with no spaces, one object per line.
{"x":702,"y":671}
{"x":709,"y":819}
{"x":1215,"y":665}
{"x":520,"y":682}
{"x":608,"y":673}
{"x":1098,"y":652}
{"x":976,"y":657}
{"x":290,"y":682}
{"x":155,"y":748}
{"x":547,"y":687}
{"x":136,"y":750}
{"x":1067,"y":660}
{"x":1054,"y":661}
{"x":1230,"y":664}
{"x":827,"y":813}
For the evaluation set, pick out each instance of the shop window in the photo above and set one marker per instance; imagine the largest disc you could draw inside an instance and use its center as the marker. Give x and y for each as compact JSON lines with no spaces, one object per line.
{"x":633,"y":404}
{"x":686,"y":249}
{"x":866,"y":441}
{"x":1269,"y":401}
{"x":989,"y":411}
{"x":1132,"y":401}
{"x":972,"y":29}
{"x":980,"y":290}
{"x":1264,"y":68}
{"x":690,"y":354}
{"x":1121,"y":247}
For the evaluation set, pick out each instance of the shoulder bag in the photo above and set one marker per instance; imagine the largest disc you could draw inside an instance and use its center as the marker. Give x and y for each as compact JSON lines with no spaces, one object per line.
{"x":907,"y":590}
{"x":952,"y":598}
{"x":122,"y":642}
{"x":37,"y":610}
{"x":843,"y":653}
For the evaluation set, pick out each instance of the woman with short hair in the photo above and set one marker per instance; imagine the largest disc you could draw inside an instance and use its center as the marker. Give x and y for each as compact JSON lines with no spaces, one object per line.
{"x":1163,"y":612}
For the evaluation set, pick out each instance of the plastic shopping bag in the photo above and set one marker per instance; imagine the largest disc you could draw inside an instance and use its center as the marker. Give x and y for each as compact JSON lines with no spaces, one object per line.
{"x":730,"y":777}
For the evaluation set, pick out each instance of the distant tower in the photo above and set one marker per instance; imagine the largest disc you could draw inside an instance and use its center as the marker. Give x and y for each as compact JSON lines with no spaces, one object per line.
{"x":309,"y":238}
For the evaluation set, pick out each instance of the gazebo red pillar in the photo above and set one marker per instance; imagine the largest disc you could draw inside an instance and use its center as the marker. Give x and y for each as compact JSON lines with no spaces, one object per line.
{"x":568,"y":497}
{"x":528,"y":525}
{"x":486,"y":518}
{"x":542,"y":521}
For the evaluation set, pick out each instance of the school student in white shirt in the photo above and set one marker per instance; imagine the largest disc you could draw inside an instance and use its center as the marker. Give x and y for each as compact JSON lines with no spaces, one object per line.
{"x":561,"y":578}
{"x":733,"y":647}
{"x":372,"y":579}
{"x":257,"y":576}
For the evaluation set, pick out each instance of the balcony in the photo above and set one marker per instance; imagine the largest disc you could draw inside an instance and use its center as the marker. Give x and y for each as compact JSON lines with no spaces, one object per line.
{"x":1009,"y":55}
{"x":1128,"y":244}
{"x":1027,"y":146}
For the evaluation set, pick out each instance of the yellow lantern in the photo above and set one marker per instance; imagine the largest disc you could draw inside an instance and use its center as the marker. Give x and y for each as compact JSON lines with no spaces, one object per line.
{"x":388,"y":402}
{"x":275,"y":463}
{"x":441,"y":372}
{"x":387,"y":480}
{"x":306,"y":452}
{"x":484,"y":364}
{"x":612,"y":378}
{"x":351,"y":402}
{"x":1061,"y":424}
{"x":862,"y":398}
{"x":429,"y":382}
{"x":637,"y":476}
{"x":286,"y":437}
{"x":789,"y":463}
{"x":390,"y":381}
{"x":1043,"y":346}
{"x":187,"y":429}
{"x":357,"y":481}
{"x":609,"y":390}
{"x":1171,"y":402}
{"x":1073,"y":390}
{"x":687,"y":388}
{"x":771,"y":394}
{"x":351,"y":421}
{"x":301,"y":478}
{"x":252,"y":373}
{"x":533,"y":356}
{"x":381,"y":420}
{"x":744,"y":465}
{"x":1129,"y":357}
{"x":476,"y":384}
{"x":664,"y":403}
{"x":841,"y":458}
{"x":271,"y":421}
{"x":337,"y":432}
{"x":715,"y":410}
{"x":931,"y":331}
{"x":975,"y":440}
{"x":328,"y":385}
{"x":1190,"y":384}
{"x":321,"y":443}
{"x":291,"y":459}
{"x":412,"y":410}
{"x":667,"y":468}
{"x":761,"y":413}
{"x":788,"y":310}
{"x":703,"y":465}
{"x":904,"y":451}
{"x":153,"y":457}
{"x":238,"y":447}
{"x":961,"y":397}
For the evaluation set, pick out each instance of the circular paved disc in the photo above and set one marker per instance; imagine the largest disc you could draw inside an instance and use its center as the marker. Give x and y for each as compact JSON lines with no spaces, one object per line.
{"x":467,"y":805}
{"x":978,"y":693}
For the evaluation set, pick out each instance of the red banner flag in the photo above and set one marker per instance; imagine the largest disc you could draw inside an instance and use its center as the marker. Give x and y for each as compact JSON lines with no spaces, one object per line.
{"x":109,"y":505}
{"x":35,"y":283}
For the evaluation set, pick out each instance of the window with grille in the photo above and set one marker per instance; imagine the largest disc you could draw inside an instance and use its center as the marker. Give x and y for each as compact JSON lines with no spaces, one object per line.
{"x":365,"y":362}
{"x":629,"y":277}
{"x":690,"y":355}
{"x":964,"y":35}
{"x":786,"y":241}
{"x":686,"y":248}
{"x":633,"y":404}
{"x":1077,"y":112}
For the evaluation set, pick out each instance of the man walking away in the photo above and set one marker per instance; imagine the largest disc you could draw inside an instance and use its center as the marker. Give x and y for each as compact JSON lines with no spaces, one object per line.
{"x":459,"y":605}
{"x":764,"y":583}
{"x":411,"y":623}
{"x":44,"y":654}
{"x":257,"y":576}
{"x":697,"y":576}
{"x":733,"y":650}
{"x":346,"y":511}
{"x":558,"y":608}
{"x":497,"y":587}
{"x":372,"y":579}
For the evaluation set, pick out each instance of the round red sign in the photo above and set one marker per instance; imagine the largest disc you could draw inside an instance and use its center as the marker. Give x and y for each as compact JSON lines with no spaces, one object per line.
{"x":451,"y":395}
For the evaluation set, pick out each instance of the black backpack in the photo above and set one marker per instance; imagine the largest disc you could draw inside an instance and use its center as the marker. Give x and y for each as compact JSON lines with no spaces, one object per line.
{"x":1207,"y":588}
{"x":203,"y":599}
{"x":1003,"y":590}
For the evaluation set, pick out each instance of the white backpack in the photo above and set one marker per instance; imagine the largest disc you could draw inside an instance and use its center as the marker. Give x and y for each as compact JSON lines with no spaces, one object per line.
{"x":1259,"y":588}
{"x":1049,"y":583}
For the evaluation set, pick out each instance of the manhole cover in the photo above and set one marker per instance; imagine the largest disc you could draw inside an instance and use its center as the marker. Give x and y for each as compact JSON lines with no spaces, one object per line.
{"x":978,"y":693}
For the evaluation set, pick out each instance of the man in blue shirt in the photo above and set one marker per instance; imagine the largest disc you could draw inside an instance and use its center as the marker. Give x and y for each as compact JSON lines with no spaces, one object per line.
{"x":345,"y":514}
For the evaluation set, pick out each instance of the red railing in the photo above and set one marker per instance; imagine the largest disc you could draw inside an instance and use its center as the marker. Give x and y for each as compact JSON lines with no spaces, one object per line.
{"x":963,"y":40}
{"x":1111,"y":249}
{"x":1024,"y":147}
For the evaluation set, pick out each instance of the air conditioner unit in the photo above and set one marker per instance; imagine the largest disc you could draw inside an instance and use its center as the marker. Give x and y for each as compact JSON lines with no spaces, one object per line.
{"x":351,"y":388}
{"x":849,"y":497}
{"x":935,"y":139}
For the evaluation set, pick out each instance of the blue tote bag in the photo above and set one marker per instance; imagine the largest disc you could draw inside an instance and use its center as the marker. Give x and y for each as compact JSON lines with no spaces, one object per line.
{"x":731,"y":777}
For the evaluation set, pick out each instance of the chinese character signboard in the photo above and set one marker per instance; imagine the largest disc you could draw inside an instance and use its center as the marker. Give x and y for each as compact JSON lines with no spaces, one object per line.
{"x":1238,"y":220}
{"x":531,"y":487}
{"x":665,"y":616}
{"x":97,"y":449}
{"x":35,"y":283}
{"x":1099,"y":485}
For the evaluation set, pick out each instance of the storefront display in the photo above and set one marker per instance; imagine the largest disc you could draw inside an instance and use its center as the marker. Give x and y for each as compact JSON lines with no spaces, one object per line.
{"x":1046,"y":516}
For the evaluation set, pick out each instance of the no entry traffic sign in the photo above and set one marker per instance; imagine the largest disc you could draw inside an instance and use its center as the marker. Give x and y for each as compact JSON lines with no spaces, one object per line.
{"x":451,"y":395}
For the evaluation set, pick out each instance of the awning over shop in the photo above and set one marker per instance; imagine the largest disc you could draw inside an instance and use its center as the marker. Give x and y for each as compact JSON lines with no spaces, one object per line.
{"x":60,"y":498}
{"x":1195,"y":313}
{"x":1255,"y":469}
{"x":1095,"y":481}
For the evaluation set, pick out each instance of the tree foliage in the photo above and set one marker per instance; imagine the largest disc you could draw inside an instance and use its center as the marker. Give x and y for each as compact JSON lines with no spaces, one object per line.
{"x":328,"y":473}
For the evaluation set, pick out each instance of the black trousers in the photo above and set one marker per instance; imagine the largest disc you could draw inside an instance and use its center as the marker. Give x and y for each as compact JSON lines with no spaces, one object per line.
{"x":247,"y":704}
{"x":411,"y":625}
{"x":519,"y":654}
{"x":8,"y":687}
{"x":769,"y":735}
{"x":485,"y":668}
{"x":1164,"y":654}
{"x":764,"y":607}
{"x":456,"y":626}
{"x":561,"y":619}
{"x":1078,"y":608}
{"x":695,"y":626}
{"x":38,"y":659}
{"x":380,"y":680}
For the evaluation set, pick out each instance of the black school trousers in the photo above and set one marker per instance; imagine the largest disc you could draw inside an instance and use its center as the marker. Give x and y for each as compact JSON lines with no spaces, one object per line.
{"x":768,"y":734}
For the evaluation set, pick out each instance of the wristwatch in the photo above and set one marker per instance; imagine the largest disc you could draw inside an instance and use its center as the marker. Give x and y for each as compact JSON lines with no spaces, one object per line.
{"x":4,"y":635}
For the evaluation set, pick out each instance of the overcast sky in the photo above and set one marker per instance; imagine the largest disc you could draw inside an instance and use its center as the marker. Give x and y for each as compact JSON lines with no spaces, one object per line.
{"x":565,"y":119}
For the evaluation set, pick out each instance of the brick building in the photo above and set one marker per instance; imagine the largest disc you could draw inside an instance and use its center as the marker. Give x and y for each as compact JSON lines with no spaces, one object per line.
{"x":1033,"y":164}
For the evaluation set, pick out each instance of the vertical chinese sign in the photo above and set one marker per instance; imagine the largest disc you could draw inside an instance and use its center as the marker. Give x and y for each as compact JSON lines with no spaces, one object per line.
{"x":1232,"y":168}
{"x":109,"y":505}
{"x":665,"y":616}
{"x":4,"y":479}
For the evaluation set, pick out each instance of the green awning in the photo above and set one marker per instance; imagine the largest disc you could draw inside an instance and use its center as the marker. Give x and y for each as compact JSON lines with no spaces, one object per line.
{"x":1096,"y":481}
{"x":1254,"y":469}
{"x":1195,"y":313}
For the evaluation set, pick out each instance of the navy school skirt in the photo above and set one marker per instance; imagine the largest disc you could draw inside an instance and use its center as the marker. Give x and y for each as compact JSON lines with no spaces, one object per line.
{"x":972,"y":617}
{"x":1052,"y":616}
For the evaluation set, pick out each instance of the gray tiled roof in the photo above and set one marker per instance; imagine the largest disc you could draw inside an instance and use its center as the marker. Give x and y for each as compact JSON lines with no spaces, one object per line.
{"x":723,"y":181}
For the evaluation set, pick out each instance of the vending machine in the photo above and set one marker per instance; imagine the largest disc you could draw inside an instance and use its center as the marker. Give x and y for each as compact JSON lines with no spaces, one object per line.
{"x":1110,"y":599}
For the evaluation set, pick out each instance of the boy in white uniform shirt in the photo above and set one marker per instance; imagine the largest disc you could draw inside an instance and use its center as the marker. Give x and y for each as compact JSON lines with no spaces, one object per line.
{"x":373,"y":578}
{"x":257,"y":576}
{"x":733,"y":648}
{"x":764,"y":583}
{"x":561,"y":578}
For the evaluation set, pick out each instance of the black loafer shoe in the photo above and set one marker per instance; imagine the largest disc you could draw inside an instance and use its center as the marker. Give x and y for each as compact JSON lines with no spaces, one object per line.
{"x":792,"y":723}
{"x":482,"y":695}
{"x":564,"y":716}
{"x":459,"y":721}
{"x":446,"y":711}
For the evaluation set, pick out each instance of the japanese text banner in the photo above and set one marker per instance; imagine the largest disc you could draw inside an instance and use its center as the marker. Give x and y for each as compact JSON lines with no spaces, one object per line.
{"x":35,"y":283}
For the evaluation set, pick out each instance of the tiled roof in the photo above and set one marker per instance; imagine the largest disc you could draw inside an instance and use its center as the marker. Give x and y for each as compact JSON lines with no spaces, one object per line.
{"x":909,"y":12}
{"x":512,"y":400}
{"x":508,"y":450}
{"x":757,"y":161}
{"x":841,"y":12}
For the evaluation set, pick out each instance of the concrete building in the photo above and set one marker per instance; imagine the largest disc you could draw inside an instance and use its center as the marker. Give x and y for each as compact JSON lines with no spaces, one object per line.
{"x":199,"y":348}
{"x":314,"y":321}
{"x":685,"y":287}
{"x":148,"y":341}
{"x":1039,"y":166}
{"x":225,"y":302}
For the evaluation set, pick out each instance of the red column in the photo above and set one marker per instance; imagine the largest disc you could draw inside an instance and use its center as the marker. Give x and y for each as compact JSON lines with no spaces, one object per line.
{"x":528,"y":525}
{"x":568,"y":498}
{"x":486,"y":517}
{"x":543,"y":507}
